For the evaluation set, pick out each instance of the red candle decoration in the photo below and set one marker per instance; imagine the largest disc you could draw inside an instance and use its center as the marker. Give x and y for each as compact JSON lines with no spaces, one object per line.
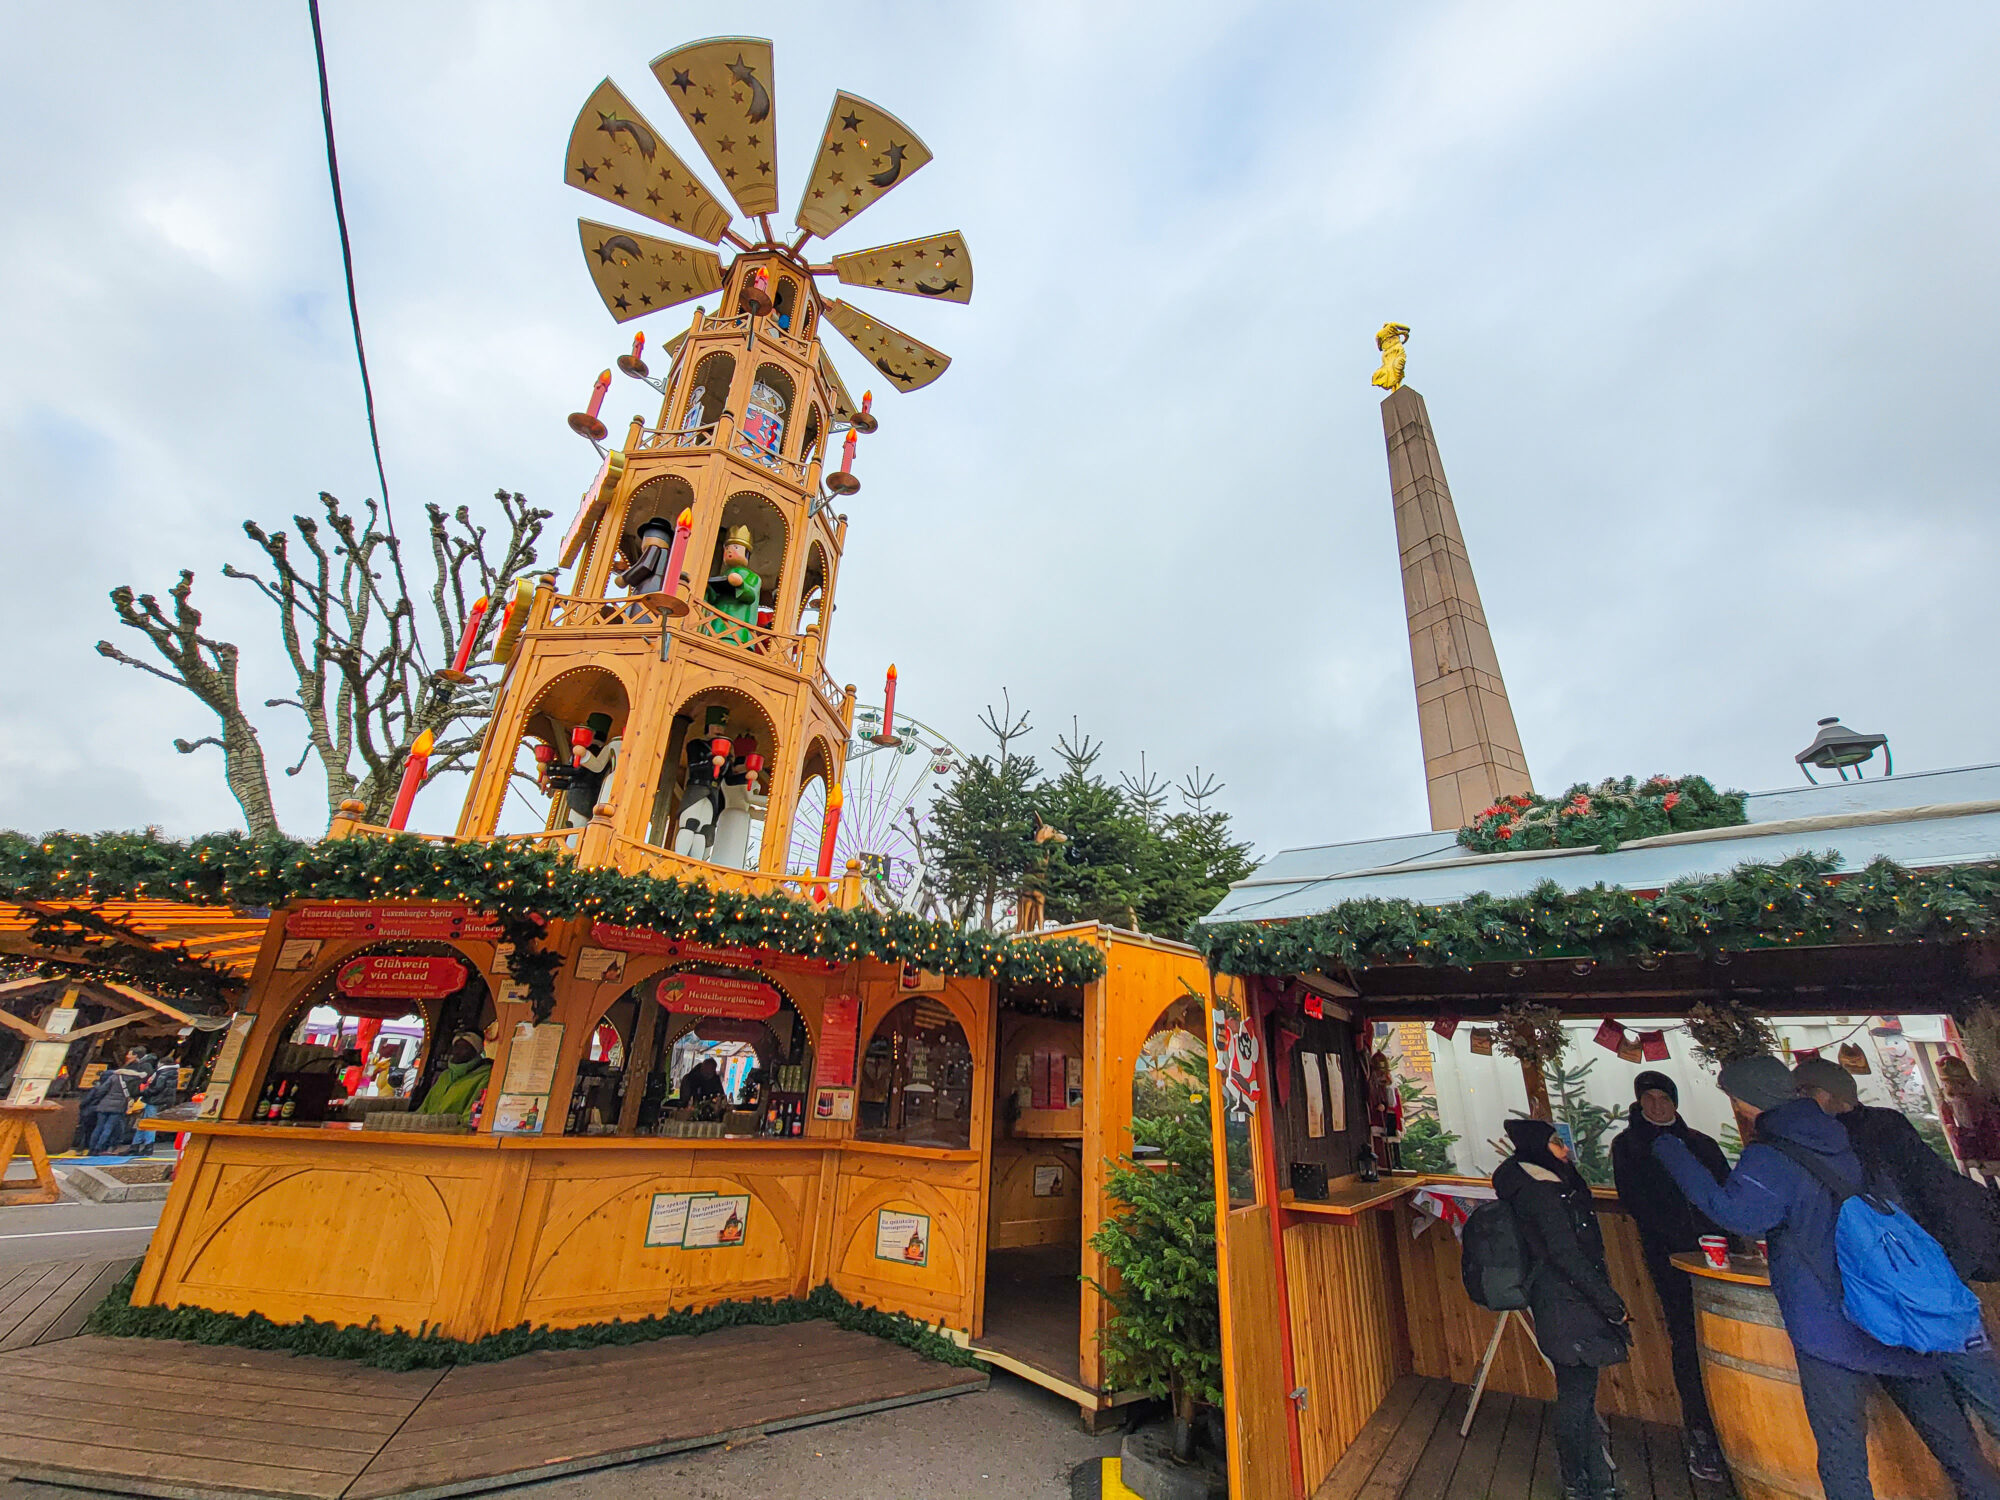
{"x":579,"y":743}
{"x":847,"y":452}
{"x":719,"y":751}
{"x":638,"y":344}
{"x":470,"y":635}
{"x":545,"y":756}
{"x":683,"y":524}
{"x":753,"y":766}
{"x":828,"y":832}
{"x":597,"y":392}
{"x":413,"y":778}
{"x":634,"y":364}
{"x":889,"y":705}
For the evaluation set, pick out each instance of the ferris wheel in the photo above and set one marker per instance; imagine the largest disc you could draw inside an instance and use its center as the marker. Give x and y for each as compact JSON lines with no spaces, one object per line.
{"x":886,"y":794}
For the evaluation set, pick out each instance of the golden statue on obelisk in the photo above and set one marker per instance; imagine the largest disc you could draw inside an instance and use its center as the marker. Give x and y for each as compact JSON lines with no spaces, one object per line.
{"x":1390,"y":341}
{"x":1472,"y":750}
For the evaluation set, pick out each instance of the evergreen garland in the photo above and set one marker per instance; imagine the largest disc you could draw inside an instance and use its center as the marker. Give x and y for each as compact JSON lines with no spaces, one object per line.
{"x":1796,"y":903}
{"x":525,"y":888}
{"x":1613,"y":812}
{"x":388,"y":1349}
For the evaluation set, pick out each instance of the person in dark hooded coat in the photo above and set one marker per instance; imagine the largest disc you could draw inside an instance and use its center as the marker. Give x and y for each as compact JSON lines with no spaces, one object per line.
{"x":1580,"y":1320}
{"x":1771,"y":1195}
{"x":1667,"y":1223}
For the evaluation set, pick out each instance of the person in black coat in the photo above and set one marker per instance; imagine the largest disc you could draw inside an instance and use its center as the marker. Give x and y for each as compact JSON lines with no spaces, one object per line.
{"x":1580,"y":1320}
{"x":1668,"y":1223}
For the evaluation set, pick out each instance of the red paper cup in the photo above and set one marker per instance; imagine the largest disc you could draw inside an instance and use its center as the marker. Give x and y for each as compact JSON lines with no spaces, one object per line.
{"x":1764,"y":1249}
{"x":1716,"y":1248}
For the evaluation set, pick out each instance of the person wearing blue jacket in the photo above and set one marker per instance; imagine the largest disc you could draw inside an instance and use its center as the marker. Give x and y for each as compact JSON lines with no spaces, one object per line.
{"x":1770,"y":1195}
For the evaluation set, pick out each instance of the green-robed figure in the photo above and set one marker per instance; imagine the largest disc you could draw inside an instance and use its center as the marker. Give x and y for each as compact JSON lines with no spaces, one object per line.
{"x":734,"y":591}
{"x":463,"y":1079}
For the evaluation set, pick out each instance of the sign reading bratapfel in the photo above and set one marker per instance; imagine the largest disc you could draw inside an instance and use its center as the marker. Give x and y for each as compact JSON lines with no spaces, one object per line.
{"x":741,"y":996}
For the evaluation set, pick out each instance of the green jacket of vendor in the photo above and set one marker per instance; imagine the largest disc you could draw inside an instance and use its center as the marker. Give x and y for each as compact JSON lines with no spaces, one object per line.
{"x":463,"y":1080}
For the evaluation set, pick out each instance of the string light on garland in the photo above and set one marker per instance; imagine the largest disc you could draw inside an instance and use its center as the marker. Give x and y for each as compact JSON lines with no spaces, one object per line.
{"x":525,"y":889}
{"x":1801,"y":901}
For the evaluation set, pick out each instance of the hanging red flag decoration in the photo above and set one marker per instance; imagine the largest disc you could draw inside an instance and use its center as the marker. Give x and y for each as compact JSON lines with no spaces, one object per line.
{"x":1610,"y":1036}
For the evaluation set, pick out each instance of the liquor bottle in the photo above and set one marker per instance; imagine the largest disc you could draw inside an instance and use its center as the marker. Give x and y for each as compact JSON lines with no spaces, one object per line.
{"x":798,"y":1117}
{"x":288,"y":1102}
{"x":265,"y":1102}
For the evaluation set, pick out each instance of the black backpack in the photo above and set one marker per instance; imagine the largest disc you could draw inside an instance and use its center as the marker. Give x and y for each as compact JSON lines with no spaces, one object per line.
{"x":1494,"y":1262}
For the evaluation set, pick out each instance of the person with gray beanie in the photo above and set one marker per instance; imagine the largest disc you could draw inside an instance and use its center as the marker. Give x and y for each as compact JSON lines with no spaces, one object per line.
{"x":1839,"y":1364}
{"x":1952,"y":1209}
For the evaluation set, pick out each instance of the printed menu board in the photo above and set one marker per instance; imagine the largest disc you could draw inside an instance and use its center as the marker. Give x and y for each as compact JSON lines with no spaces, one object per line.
{"x":840,"y":1032}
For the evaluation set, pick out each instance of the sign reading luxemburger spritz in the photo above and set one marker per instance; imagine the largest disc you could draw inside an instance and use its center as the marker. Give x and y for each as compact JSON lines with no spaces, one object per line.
{"x":739,"y":996}
{"x":401,"y":976}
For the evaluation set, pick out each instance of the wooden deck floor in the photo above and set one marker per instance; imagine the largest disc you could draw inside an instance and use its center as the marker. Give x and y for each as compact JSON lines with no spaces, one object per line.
{"x":1034,"y":1308}
{"x":1411,"y":1450}
{"x":209,"y":1421}
{"x":47,"y":1300}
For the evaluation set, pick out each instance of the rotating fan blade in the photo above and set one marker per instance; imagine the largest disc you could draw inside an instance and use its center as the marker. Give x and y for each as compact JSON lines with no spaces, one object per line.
{"x":722,"y":87}
{"x":638,"y":273}
{"x":938,"y":267}
{"x":616,"y":154}
{"x":843,"y":399}
{"x":905,"y":360}
{"x":864,"y":153}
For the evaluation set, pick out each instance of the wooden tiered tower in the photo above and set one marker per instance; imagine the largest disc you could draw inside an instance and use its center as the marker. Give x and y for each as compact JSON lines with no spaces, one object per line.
{"x":748,"y":406}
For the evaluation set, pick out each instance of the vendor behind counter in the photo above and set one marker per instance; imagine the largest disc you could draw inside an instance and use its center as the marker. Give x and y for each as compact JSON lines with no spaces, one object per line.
{"x":466,"y":1073}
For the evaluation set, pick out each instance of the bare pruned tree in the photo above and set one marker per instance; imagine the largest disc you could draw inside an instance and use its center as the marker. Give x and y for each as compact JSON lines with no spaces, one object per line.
{"x":1003,"y":726}
{"x":351,"y":632}
{"x":1146,"y":792}
{"x":1196,"y":789}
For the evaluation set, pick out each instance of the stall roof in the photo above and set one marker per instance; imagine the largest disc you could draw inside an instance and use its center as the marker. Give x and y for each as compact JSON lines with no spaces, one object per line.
{"x":1922,"y":820}
{"x":221,"y":936}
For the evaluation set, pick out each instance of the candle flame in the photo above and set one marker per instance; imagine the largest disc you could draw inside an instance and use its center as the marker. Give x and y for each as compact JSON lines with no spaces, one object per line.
{"x":479,"y":604}
{"x":422,"y":747}
{"x":834,"y":798}
{"x":892,"y":669}
{"x":686,"y":520}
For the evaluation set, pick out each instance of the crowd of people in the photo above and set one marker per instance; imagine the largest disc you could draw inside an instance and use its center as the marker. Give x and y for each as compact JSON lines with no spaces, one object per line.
{"x":1809,"y":1148}
{"x":141,"y":1085}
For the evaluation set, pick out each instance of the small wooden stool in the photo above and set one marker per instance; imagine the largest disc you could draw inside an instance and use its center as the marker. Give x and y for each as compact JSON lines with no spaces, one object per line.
{"x":21,"y":1134}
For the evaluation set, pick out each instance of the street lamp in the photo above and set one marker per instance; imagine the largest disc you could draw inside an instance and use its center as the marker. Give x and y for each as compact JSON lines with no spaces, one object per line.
{"x":1836,"y":747}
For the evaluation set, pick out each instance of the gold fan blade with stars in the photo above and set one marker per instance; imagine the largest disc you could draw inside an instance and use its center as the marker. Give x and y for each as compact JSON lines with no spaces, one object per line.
{"x":640,"y":273}
{"x":723,"y":88}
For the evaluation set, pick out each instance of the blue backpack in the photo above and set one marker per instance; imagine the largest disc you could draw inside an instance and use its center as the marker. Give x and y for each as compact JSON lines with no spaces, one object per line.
{"x":1898,"y":1285}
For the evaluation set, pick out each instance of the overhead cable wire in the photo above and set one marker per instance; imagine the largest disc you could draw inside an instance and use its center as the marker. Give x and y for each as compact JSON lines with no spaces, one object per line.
{"x":354,"y":305}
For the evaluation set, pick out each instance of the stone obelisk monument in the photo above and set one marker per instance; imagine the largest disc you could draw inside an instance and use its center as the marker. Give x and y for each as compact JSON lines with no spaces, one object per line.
{"x":1472,"y":751}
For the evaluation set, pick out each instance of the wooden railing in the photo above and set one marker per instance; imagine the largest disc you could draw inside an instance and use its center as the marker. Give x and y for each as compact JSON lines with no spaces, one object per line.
{"x":565,"y":840}
{"x":678,"y":437}
{"x":636,"y":858}
{"x":568,"y":613}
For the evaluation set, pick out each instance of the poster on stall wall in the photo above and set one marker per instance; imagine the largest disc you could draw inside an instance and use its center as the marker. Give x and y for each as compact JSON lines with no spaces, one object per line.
{"x":1336,"y":1093}
{"x":840,"y":1027}
{"x":1482,"y":1043}
{"x":1072,"y":1082}
{"x":299,"y":953}
{"x":599,"y":965}
{"x":1048,"y":1181}
{"x":1315,"y":1095}
{"x":224,"y":1070}
{"x":667,"y":1220}
{"x":501,"y":953}
{"x":920,"y":981}
{"x":716,"y":1222}
{"x":520,"y":1114}
{"x":531,"y":1059}
{"x":903,"y":1238}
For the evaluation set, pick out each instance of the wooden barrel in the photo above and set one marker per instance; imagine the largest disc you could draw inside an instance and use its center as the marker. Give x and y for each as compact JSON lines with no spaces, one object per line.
{"x":1752,"y":1379}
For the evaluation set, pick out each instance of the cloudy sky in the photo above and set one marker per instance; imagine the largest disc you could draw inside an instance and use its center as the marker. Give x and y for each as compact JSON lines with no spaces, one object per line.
{"x":1704,"y":308}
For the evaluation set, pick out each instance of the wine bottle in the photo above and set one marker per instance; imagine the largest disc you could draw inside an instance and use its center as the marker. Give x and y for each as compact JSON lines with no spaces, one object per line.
{"x":288,"y":1102}
{"x":264,"y":1102}
{"x":798,"y":1117}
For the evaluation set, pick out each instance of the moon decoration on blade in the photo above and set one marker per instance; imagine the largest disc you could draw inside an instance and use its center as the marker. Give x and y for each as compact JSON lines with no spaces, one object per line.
{"x":906,"y":361}
{"x":615,"y":154}
{"x":722,"y":88}
{"x":864,"y":153}
{"x":939,"y":267}
{"x":636,"y":273}
{"x":724,"y":91}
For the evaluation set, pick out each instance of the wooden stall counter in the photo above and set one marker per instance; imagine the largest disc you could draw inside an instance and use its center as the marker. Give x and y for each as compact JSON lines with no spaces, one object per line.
{"x":1751,"y":1374}
{"x":1351,"y":1196}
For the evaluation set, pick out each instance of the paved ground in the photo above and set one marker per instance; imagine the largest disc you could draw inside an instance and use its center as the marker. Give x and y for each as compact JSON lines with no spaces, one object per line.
{"x":1012,"y":1441}
{"x":75,"y":1230}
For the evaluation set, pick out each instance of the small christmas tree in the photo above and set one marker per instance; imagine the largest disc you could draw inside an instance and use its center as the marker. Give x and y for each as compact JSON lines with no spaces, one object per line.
{"x":1165,"y":1337}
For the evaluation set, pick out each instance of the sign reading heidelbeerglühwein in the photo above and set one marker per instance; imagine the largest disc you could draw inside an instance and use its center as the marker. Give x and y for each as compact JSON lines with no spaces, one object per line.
{"x":741,"y":996}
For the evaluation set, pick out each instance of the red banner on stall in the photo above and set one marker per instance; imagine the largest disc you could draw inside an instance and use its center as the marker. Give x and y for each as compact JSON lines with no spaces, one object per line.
{"x":645,"y":940}
{"x":744,"y":998}
{"x":363,"y":920}
{"x":401,"y":976}
{"x":839,"y":1036}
